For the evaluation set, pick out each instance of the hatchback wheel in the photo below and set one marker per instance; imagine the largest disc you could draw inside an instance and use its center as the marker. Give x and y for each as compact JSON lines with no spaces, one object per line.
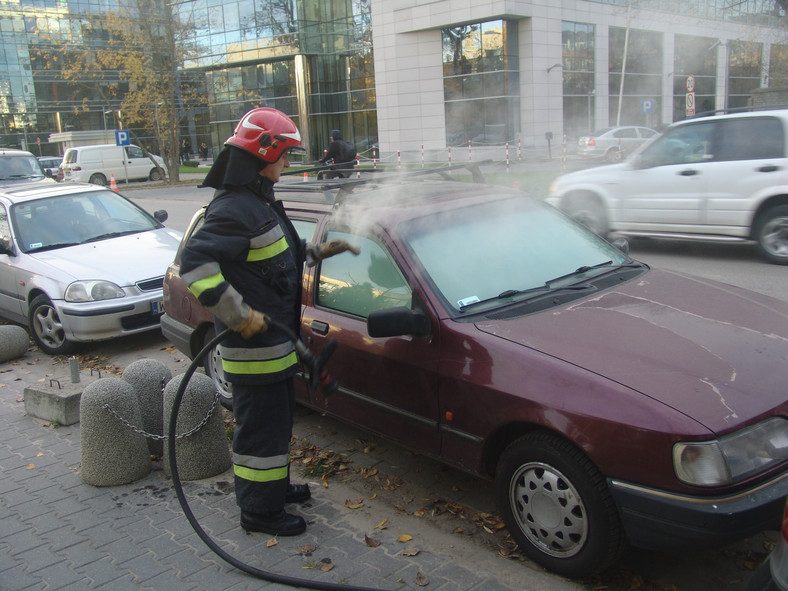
{"x":771,"y":235}
{"x":46,"y":327}
{"x":213,"y":369}
{"x":557,"y":506}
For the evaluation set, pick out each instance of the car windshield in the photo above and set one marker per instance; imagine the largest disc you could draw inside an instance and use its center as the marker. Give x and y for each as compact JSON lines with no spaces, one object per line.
{"x":486,"y":253}
{"x":19,"y":167}
{"x":69,"y":219}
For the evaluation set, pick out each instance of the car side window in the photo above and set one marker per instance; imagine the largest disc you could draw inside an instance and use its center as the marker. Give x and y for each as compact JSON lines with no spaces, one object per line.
{"x":625,"y":133}
{"x":134,"y":152}
{"x":682,"y":145}
{"x":361,"y":284}
{"x":5,"y":231}
{"x":750,"y":139}
{"x":305,"y":228}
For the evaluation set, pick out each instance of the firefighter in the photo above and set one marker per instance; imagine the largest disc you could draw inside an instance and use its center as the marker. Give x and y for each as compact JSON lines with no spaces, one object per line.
{"x":245,"y":264}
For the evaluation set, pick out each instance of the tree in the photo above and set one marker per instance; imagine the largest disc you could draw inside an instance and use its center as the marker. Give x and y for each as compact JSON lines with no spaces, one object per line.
{"x":133,"y":56}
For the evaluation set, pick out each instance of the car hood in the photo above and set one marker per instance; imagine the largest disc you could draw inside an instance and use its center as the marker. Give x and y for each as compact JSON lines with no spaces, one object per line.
{"x":115,"y":259}
{"x":592,"y":174}
{"x":717,"y":353}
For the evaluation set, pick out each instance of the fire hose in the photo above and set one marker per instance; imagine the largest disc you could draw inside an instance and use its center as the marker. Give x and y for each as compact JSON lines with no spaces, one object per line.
{"x":318,"y":376}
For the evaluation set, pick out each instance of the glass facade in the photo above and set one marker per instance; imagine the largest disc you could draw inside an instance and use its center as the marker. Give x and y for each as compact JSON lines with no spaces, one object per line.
{"x":642,"y":76}
{"x":481,"y":83}
{"x":578,"y":70}
{"x":695,"y":56}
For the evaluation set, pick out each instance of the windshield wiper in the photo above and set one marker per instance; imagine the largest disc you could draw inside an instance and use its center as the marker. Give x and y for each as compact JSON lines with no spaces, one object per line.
{"x":112,"y":235}
{"x":533,"y":290}
{"x":579,"y":271}
{"x":53,"y":246}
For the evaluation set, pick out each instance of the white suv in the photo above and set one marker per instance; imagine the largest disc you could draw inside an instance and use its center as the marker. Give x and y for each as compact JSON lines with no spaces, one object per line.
{"x":721,"y":178}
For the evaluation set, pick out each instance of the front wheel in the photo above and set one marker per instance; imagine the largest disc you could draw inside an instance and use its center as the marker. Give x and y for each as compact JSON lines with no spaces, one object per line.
{"x":588,"y":210}
{"x":557,"y":506}
{"x":155,"y":175}
{"x":771,"y":234}
{"x":46,"y":328}
{"x":213,"y":369}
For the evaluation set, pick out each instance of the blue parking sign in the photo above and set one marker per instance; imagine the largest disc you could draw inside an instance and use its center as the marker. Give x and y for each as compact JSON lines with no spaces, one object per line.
{"x":647,"y":106}
{"x":122,"y":137}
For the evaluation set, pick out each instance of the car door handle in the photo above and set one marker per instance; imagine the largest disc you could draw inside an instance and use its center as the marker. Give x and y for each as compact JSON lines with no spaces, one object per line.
{"x":689,"y":172}
{"x":319,"y":327}
{"x":769,"y":168}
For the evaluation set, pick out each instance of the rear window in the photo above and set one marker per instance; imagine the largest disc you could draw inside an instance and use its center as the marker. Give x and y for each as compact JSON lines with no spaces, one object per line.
{"x":70,"y":157}
{"x":750,"y":139}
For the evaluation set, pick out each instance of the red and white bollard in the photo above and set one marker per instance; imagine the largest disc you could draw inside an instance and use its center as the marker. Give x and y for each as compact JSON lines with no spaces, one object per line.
{"x":358,"y":166}
{"x":399,"y":159}
{"x":507,"y":157}
{"x":469,"y":150}
{"x":374,"y":158}
{"x":449,"y":154}
{"x":422,"y":155}
{"x":519,"y":149}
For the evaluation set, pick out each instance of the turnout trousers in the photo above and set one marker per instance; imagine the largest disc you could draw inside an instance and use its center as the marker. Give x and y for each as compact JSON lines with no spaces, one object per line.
{"x":261,"y":444}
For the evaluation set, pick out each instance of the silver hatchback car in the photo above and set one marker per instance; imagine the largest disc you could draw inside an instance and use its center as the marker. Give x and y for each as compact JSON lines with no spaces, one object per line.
{"x":80,"y":263}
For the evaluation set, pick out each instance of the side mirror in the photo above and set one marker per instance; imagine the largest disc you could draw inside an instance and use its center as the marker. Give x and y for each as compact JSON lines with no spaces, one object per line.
{"x":395,"y":322}
{"x":621,"y":244}
{"x":5,"y":246}
{"x":161,"y":215}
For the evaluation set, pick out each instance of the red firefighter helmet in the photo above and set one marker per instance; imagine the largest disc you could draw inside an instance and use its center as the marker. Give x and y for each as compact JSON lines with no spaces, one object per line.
{"x":267,"y":133}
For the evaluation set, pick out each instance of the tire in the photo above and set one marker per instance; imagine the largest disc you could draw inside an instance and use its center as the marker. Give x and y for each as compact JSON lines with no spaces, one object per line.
{"x":46,"y":328}
{"x":557,"y":506}
{"x":98,"y":179}
{"x":588,"y":210}
{"x":213,"y":369}
{"x":155,"y":175}
{"x":771,"y":234}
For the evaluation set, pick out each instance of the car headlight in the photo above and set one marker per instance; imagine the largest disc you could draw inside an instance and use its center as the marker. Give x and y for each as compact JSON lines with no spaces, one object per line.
{"x":93,"y":291}
{"x":733,"y":457}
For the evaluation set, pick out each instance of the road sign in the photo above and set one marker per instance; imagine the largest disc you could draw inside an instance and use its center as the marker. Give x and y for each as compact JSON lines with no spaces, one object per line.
{"x":122,"y":137}
{"x":691,"y":83}
{"x":689,"y":103}
{"x":647,"y":106}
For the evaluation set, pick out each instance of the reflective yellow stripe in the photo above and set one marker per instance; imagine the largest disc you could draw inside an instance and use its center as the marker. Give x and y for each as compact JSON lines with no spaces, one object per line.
{"x":260,"y":475}
{"x":201,"y":285}
{"x":266,"y":252}
{"x":260,"y":367}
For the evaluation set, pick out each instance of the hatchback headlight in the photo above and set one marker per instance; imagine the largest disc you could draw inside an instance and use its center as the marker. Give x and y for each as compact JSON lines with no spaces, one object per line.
{"x":93,"y":291}
{"x":733,"y":457}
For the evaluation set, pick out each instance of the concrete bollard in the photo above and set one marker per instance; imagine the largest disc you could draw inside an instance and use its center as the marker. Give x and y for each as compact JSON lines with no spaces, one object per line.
{"x":148,"y":378}
{"x":112,"y":452}
{"x":206,"y":452}
{"x":14,"y":342}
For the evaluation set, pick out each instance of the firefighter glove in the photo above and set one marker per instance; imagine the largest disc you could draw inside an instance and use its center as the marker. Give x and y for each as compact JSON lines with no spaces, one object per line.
{"x":255,"y":322}
{"x":336,"y":246}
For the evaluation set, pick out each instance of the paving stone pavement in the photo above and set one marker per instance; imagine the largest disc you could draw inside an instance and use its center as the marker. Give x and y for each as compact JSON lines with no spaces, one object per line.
{"x":57,"y":533}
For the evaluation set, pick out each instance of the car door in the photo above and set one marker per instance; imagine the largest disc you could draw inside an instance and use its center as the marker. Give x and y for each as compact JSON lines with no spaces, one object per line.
{"x":137,"y":164}
{"x":386,"y":384}
{"x":665,"y":185}
{"x":11,"y":299}
{"x":748,"y":164}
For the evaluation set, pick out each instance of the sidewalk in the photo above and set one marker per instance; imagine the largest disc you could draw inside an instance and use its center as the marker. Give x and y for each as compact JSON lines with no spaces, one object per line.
{"x":58,"y":533}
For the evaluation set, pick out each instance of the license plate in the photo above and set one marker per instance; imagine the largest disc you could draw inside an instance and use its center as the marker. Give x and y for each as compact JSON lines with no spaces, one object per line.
{"x":157,"y":307}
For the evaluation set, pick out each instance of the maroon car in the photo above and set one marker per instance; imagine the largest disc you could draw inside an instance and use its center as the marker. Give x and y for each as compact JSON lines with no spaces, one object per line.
{"x":611,"y":403}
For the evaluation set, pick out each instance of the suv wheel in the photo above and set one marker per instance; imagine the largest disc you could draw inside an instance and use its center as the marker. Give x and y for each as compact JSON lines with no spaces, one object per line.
{"x":46,"y":328}
{"x":557,"y":506}
{"x":586,"y":209}
{"x":771,"y":234}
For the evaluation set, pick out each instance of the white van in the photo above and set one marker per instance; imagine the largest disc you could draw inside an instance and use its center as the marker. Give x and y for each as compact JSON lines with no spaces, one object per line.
{"x":96,"y":164}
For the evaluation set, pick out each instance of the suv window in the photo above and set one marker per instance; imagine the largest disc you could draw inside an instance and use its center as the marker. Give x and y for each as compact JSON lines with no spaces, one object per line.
{"x":361,"y":284}
{"x":749,"y":139}
{"x":681,"y":145}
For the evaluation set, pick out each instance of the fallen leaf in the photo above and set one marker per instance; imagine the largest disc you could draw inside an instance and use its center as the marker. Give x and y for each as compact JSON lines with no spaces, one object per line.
{"x":404,"y":538}
{"x":370,"y":473}
{"x":307,"y":549}
{"x":421,"y":580}
{"x":398,"y":508}
{"x":326,"y":566}
{"x":371,"y":542}
{"x":410,"y":552}
{"x":381,"y":525}
{"x":373,"y":497}
{"x":418,"y":513}
{"x":271,"y":543}
{"x":30,"y":466}
{"x":354,"y":504}
{"x":39,"y":454}
{"x":459,"y":530}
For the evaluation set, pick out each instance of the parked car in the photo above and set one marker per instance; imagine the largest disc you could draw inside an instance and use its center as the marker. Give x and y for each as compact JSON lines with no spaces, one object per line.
{"x":613,"y":143}
{"x":50,"y":165}
{"x":719,"y":178}
{"x":98,"y":164}
{"x":80,"y":263}
{"x":19,"y":166}
{"x":610,"y":402}
{"x":772,"y":575}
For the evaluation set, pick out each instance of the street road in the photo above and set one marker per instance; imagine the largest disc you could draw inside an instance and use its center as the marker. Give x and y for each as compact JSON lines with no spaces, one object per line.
{"x":737,"y":264}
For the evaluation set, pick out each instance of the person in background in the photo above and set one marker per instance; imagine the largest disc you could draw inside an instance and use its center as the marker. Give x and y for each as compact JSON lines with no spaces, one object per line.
{"x":245,"y":264}
{"x":341,"y":154}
